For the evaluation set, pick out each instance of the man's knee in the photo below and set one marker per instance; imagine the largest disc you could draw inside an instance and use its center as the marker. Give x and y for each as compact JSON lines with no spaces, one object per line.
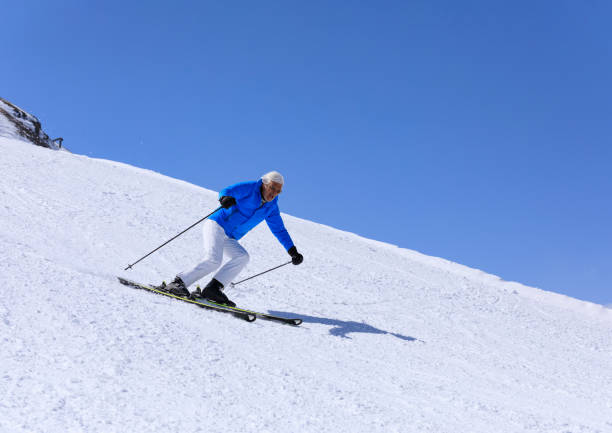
{"x":212,"y":261}
{"x":244,"y":258}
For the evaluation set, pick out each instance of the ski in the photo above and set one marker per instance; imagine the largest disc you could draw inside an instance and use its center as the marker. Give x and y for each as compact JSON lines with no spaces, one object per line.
{"x":241,"y":314}
{"x":264,"y":316}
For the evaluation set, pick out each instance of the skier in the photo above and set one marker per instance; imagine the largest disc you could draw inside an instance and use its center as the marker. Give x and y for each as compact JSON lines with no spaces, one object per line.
{"x":245,"y":205}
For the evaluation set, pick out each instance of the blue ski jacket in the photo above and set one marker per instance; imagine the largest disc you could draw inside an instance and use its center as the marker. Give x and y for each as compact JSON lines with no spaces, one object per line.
{"x":250,"y":210}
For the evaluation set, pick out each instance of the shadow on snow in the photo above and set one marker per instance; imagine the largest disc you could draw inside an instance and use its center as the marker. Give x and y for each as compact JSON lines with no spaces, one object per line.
{"x":341,"y":328}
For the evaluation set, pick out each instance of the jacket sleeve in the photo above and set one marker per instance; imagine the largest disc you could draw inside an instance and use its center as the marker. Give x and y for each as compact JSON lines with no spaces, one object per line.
{"x":238,"y":190}
{"x":277,"y":227}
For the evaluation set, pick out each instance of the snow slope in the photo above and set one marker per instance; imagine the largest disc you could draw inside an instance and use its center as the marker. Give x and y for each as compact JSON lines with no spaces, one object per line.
{"x":392,"y":340}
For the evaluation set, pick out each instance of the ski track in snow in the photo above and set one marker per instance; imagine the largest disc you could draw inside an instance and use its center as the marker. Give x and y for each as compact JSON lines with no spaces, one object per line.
{"x":392,"y":340}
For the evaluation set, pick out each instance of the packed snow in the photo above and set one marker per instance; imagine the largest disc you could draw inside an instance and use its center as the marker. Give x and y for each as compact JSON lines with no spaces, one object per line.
{"x":392,"y":340}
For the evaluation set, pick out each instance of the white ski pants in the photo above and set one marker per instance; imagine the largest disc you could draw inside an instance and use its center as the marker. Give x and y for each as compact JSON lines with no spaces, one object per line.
{"x":216,"y":244}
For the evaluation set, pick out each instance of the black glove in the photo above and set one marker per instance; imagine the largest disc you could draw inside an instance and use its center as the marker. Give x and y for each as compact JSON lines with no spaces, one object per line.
{"x":227,"y":201}
{"x":296,"y":258}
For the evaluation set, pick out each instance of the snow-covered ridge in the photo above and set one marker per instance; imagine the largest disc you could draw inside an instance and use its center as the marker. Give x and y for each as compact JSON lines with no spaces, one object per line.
{"x":20,"y":125}
{"x":392,"y":340}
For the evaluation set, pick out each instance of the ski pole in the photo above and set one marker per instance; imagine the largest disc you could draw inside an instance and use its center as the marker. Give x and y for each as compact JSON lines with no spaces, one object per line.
{"x":167,"y":242}
{"x":261,"y":273}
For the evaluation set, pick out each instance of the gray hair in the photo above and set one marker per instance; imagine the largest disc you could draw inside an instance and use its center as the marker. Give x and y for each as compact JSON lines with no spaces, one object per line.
{"x":273,"y":176}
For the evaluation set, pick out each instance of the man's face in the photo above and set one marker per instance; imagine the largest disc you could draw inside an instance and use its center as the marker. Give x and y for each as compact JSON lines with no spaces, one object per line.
{"x":271,"y":190}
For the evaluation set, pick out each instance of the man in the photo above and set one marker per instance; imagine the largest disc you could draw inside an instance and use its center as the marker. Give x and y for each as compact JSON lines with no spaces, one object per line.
{"x":245,"y":205}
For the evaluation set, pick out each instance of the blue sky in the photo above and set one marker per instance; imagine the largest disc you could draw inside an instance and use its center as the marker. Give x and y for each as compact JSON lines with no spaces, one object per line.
{"x":477,"y":131}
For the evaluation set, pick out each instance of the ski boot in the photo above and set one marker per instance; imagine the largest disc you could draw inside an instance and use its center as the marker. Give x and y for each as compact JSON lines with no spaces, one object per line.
{"x":214,"y":292}
{"x":177,"y":287}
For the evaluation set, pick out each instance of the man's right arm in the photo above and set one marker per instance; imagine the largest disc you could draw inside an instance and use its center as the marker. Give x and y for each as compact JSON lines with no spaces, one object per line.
{"x":229,"y":195}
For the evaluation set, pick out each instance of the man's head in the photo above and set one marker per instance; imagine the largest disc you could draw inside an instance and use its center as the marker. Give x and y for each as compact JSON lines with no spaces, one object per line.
{"x":272,"y":185}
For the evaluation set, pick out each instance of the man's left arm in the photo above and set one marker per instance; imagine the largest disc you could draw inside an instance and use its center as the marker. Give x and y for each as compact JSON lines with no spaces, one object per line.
{"x":277,"y":227}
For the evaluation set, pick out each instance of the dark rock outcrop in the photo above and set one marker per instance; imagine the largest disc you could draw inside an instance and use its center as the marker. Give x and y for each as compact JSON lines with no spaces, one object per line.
{"x":19,"y":124}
